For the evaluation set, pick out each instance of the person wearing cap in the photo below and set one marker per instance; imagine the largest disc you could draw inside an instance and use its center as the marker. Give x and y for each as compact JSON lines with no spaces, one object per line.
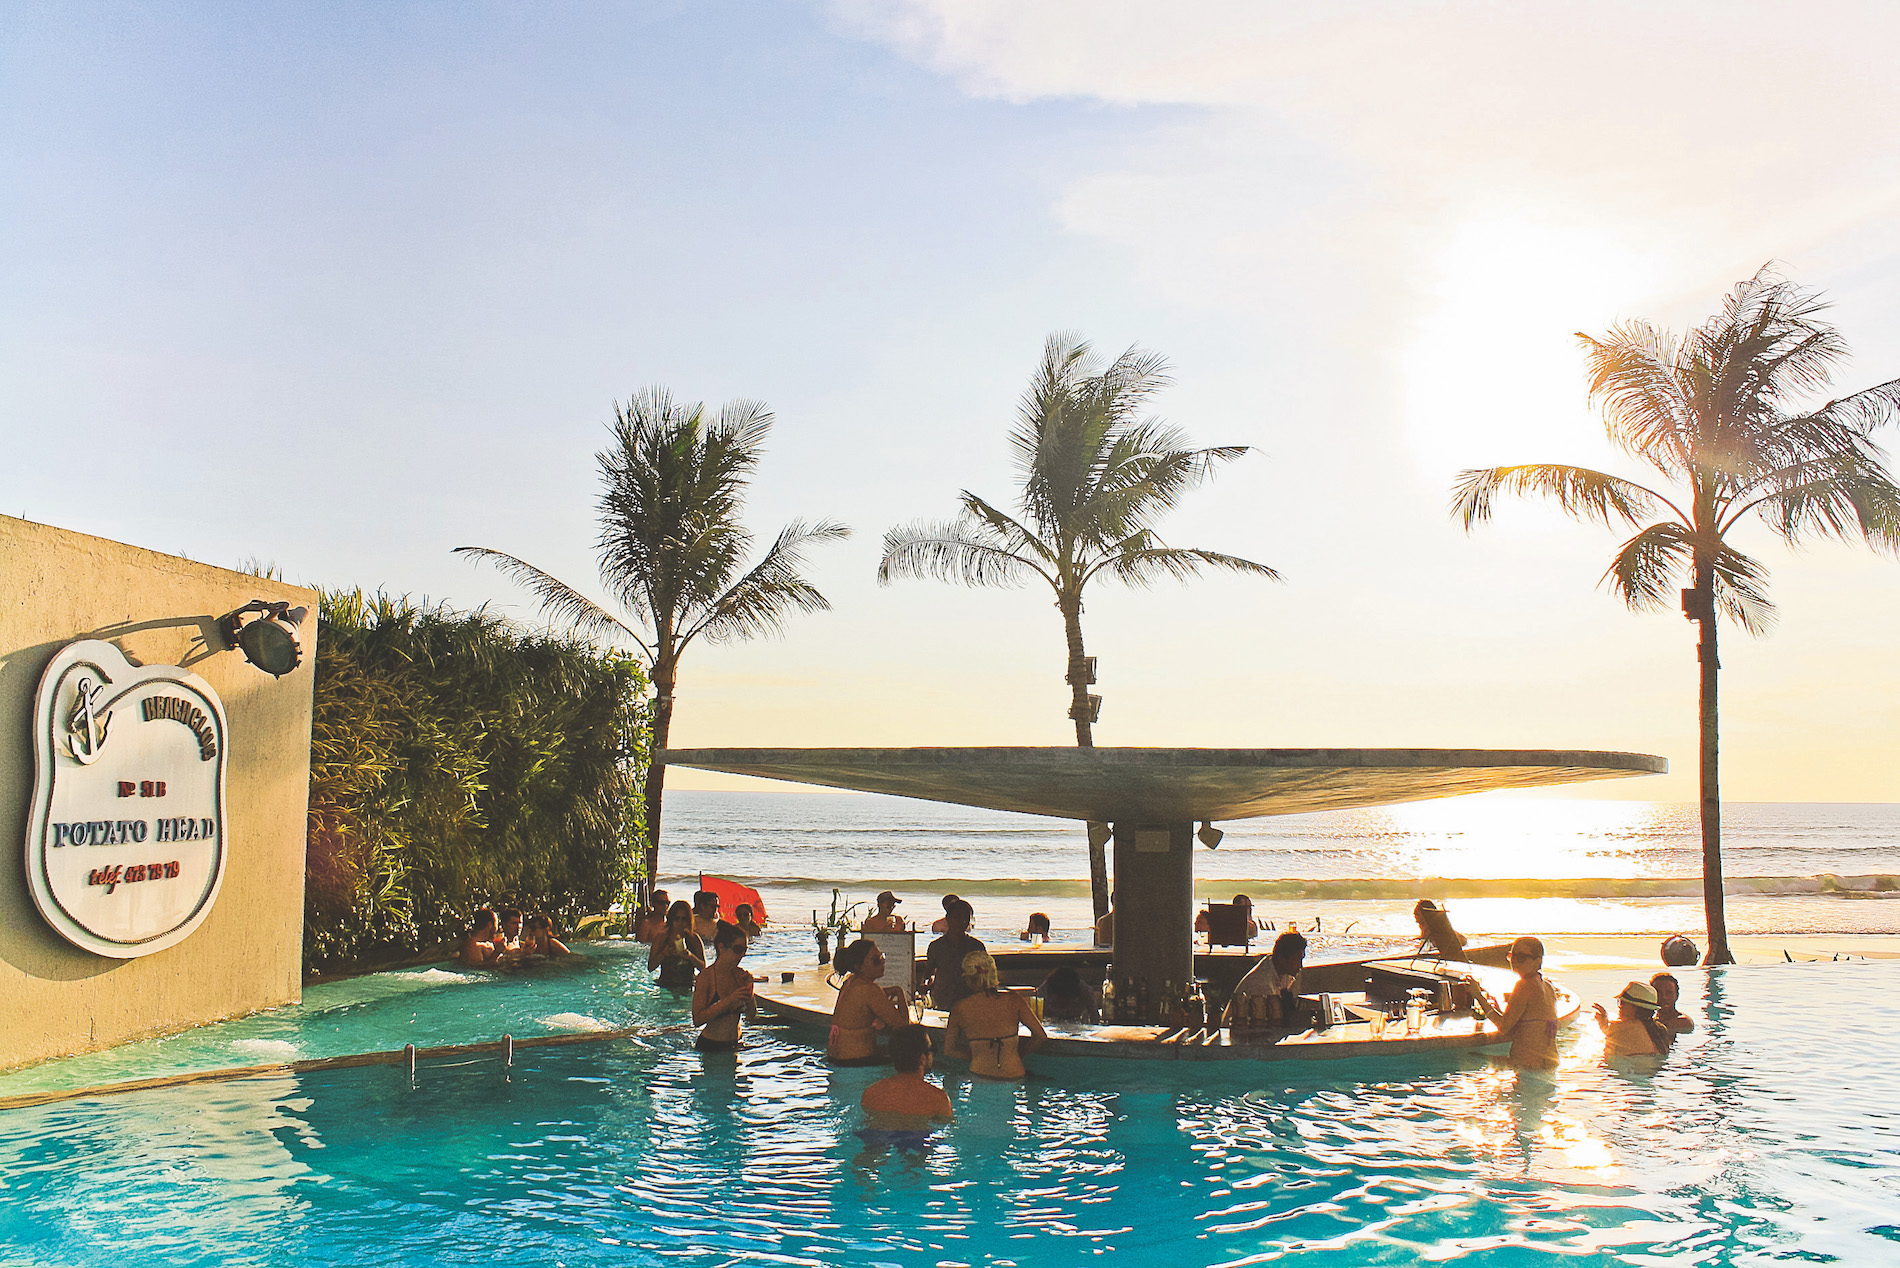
{"x":1529,"y":1015}
{"x":1635,"y":1032}
{"x":886,"y":920}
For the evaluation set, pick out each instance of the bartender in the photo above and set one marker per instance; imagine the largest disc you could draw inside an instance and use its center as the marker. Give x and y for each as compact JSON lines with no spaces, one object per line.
{"x":1276,"y":982}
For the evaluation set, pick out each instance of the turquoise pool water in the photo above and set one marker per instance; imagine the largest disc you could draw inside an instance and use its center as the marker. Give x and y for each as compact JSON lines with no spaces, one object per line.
{"x":1772,"y":1134}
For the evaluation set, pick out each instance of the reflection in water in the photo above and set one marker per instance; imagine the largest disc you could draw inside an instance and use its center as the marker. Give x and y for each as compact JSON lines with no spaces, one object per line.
{"x":1768,"y":1133}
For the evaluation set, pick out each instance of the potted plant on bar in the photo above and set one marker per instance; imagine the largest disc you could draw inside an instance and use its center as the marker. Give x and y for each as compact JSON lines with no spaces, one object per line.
{"x":838,"y":923}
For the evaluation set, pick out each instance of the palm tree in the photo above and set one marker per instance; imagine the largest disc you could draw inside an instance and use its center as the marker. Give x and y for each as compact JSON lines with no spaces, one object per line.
{"x":1713,"y":414}
{"x":672,"y":552}
{"x":1094,"y":475}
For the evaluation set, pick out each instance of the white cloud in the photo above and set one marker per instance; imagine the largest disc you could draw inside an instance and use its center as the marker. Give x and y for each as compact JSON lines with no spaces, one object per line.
{"x":1429,"y":190}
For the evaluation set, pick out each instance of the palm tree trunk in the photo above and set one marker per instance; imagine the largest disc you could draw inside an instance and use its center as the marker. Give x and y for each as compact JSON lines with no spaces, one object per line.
{"x":655,"y":791}
{"x":1084,"y":738}
{"x":1712,"y":896}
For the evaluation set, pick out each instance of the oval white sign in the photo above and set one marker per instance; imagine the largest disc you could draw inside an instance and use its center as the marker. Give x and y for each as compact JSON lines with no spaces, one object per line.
{"x":125,"y":845}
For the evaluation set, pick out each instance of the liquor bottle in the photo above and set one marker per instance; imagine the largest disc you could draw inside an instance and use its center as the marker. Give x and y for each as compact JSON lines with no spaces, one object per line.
{"x":1108,"y":996}
{"x":1196,"y":1008}
{"x":1142,"y":1016}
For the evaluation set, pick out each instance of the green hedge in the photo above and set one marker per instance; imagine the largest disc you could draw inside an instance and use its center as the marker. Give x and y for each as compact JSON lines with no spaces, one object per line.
{"x":457,"y":760}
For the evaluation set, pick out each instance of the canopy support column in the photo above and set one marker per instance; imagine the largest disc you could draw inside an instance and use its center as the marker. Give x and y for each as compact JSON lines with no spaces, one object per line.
{"x":1154,"y":903}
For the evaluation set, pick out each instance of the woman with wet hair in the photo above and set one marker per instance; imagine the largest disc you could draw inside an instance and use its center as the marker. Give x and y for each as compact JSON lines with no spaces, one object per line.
{"x":985,"y":1025}
{"x":722,"y":995}
{"x":863,"y":1006}
{"x":677,"y":952}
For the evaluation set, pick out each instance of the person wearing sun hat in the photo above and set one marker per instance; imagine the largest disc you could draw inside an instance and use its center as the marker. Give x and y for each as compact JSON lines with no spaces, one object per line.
{"x":886,"y":920}
{"x":1635,"y":1032}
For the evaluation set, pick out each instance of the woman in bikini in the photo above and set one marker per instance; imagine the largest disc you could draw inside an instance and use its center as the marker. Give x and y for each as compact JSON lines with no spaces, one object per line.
{"x":863,"y":1007}
{"x":985,"y":1026}
{"x":677,"y":953}
{"x":723,"y":994}
{"x":1529,"y":1016}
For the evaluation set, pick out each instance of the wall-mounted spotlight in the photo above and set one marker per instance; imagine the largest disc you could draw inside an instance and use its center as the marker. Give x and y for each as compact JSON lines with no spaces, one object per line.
{"x":269,"y":639}
{"x":1210,"y":836}
{"x":1099,"y":832}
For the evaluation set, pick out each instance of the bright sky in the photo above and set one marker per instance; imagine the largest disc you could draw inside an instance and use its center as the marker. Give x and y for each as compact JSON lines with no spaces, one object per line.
{"x":344,"y":286}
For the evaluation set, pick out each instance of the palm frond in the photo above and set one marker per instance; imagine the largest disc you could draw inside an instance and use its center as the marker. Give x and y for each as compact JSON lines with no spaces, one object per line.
{"x":1741,"y":590}
{"x":963,"y":550}
{"x":558,"y":600}
{"x":1637,"y":380}
{"x":1009,"y":533}
{"x":1864,"y":410}
{"x":771,"y":590}
{"x":1579,"y":491}
{"x":1651,"y":566}
{"x":1144,"y":565}
{"x":1842,"y":500}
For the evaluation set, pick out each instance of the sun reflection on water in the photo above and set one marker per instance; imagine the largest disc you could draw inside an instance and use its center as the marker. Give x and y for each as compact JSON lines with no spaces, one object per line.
{"x":1487,"y":837}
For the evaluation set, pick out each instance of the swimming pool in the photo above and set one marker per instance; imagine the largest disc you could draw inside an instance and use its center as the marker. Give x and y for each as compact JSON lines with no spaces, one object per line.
{"x":1774,"y":1133}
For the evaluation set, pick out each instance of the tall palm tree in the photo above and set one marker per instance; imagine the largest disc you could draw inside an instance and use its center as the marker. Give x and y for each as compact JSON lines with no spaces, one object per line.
{"x":1714,"y":415}
{"x":1094,"y":475}
{"x":672,"y":552}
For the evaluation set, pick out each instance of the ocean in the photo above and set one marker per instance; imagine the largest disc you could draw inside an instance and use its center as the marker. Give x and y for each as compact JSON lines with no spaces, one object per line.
{"x":1504,"y":864}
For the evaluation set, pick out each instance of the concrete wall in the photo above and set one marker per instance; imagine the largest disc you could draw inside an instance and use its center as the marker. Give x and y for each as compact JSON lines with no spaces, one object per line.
{"x":57,"y":586}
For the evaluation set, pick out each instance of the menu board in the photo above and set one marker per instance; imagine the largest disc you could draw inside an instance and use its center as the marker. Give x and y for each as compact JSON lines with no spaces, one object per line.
{"x":900,"y":960}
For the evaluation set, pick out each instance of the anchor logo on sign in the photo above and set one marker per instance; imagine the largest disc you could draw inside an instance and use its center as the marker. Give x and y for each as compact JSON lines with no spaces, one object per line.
{"x":88,"y":727}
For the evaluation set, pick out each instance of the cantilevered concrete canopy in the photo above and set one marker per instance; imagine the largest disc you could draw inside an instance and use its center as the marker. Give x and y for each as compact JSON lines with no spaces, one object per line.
{"x":1161,"y":785}
{"x":1153,"y":797}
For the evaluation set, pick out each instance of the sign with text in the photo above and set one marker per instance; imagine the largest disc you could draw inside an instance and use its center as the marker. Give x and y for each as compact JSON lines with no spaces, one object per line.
{"x":125,"y":843}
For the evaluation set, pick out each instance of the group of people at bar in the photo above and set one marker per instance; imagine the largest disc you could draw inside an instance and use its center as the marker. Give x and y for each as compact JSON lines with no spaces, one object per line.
{"x":992,"y":1028}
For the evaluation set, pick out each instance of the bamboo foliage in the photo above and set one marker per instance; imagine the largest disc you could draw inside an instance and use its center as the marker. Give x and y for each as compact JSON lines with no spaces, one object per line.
{"x":457,"y":760}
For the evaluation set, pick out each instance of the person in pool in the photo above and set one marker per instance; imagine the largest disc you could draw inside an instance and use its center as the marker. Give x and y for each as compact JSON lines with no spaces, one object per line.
{"x":886,"y":919}
{"x":986,"y":1024}
{"x":478,"y":944}
{"x":677,"y":952}
{"x":1668,"y":994}
{"x":538,"y":938}
{"x":1529,"y":1015}
{"x":742,"y":916}
{"x":907,"y":1099}
{"x":1038,"y":927}
{"x":863,"y":1007}
{"x":651,"y":923}
{"x":509,"y":919}
{"x":722,"y":994}
{"x":1635,"y":1032}
{"x":706,"y":915}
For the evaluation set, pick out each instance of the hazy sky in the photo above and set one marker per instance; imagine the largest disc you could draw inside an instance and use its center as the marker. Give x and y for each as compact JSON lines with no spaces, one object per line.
{"x":344,"y":286}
